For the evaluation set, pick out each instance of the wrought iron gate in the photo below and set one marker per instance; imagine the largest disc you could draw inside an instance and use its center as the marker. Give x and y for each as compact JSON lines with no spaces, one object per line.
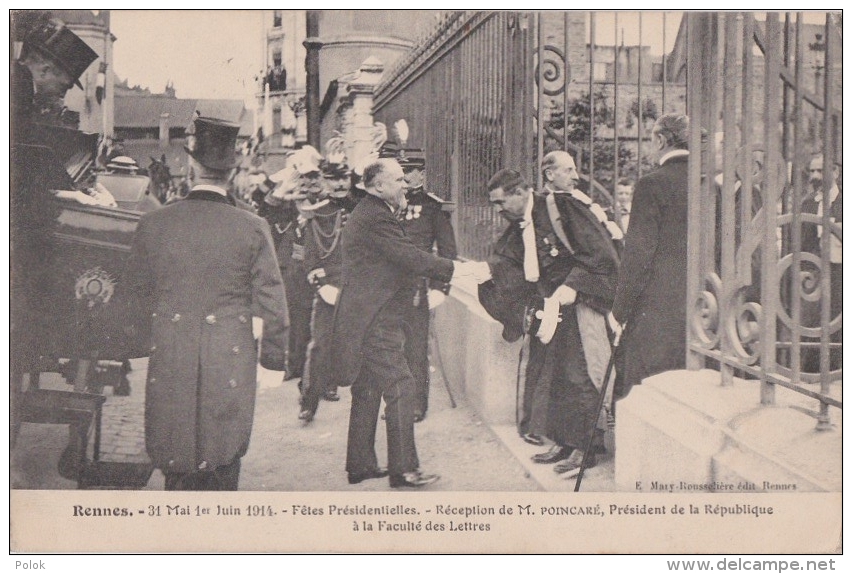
{"x":765,"y":263}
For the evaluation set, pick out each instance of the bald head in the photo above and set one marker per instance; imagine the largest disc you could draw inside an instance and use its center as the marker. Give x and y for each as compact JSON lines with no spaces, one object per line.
{"x":385,"y":179}
{"x":559,"y":171}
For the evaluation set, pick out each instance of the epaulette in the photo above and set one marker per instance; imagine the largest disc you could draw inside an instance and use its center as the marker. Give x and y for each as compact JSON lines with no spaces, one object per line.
{"x":445,"y":205}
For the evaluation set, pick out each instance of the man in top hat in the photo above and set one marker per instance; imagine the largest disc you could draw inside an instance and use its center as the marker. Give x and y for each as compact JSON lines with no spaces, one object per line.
{"x":323,"y":260}
{"x":426,"y":220}
{"x":207,"y":271}
{"x":52,"y":57}
{"x":52,"y":60}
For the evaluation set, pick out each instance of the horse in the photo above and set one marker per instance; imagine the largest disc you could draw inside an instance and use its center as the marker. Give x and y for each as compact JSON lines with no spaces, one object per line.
{"x":161,"y":179}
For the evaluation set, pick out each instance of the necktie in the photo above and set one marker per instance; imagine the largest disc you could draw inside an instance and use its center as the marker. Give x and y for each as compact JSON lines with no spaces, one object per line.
{"x":531,"y":272}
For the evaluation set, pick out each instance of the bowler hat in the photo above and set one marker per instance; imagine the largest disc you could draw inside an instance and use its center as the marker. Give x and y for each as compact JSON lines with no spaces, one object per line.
{"x":63,"y":47}
{"x":212,"y":142}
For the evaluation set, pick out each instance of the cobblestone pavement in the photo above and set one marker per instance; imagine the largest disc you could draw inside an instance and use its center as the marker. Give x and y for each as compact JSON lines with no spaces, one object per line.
{"x":287,"y":455}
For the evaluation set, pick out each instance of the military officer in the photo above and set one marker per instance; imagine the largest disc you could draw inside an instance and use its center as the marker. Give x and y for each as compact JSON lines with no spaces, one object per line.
{"x":323,"y":260}
{"x":426,"y":220}
{"x":208,"y":272}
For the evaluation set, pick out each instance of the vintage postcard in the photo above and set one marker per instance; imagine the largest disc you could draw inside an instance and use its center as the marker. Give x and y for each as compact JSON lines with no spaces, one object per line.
{"x":426,"y":281}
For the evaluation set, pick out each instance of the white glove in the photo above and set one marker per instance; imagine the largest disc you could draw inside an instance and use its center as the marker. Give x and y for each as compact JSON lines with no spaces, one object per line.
{"x":565,"y":295}
{"x":550,"y":318}
{"x":329,"y":293}
{"x":257,"y":327}
{"x":77,"y":196}
{"x":103,"y":196}
{"x":616,"y":327}
{"x":479,"y":271}
{"x":435,"y":298}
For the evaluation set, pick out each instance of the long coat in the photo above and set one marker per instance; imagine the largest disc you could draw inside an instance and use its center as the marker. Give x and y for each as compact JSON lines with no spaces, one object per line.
{"x":379,"y":261}
{"x":205,"y":268}
{"x":651,"y":293}
{"x":562,"y":377}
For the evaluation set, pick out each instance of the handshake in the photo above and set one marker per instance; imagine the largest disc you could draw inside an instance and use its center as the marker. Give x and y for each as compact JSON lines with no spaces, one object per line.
{"x":479,"y":271}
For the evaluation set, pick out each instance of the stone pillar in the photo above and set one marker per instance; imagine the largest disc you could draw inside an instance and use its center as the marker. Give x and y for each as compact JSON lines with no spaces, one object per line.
{"x":358,"y":128}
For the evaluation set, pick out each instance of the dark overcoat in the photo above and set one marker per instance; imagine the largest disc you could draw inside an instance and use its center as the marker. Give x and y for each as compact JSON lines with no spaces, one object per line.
{"x":379,"y":260}
{"x":205,"y":267}
{"x":651,"y":292}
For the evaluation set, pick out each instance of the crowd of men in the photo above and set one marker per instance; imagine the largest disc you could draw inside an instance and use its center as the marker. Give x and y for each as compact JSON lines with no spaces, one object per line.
{"x":335,"y":269}
{"x":334,"y":266}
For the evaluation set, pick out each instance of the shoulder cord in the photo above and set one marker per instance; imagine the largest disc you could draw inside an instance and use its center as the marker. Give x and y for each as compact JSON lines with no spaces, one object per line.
{"x":320,"y":234}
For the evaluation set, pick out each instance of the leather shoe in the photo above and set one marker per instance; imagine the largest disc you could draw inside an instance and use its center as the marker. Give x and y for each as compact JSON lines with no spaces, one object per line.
{"x":306,"y":415}
{"x":571,"y":466}
{"x":414,"y":479}
{"x":532,"y":439}
{"x":356,"y":477}
{"x":331,"y":396}
{"x":555,"y":454}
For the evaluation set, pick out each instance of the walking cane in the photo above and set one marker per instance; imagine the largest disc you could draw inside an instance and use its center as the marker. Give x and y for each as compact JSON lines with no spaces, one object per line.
{"x":518,"y":385}
{"x":589,"y":443}
{"x":434,"y":338}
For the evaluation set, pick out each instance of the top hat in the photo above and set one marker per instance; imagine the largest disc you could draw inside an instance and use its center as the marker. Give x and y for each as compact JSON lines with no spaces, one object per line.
{"x":62,"y":46}
{"x":211,"y":142}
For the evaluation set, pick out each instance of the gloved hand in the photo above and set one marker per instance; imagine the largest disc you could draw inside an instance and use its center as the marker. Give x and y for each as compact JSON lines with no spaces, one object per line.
{"x":257,"y":327}
{"x":316,"y":276}
{"x":329,"y":293}
{"x":435,"y":297}
{"x":77,"y":196}
{"x":478,"y":270}
{"x":616,"y":327}
{"x":550,"y":318}
{"x":565,"y":295}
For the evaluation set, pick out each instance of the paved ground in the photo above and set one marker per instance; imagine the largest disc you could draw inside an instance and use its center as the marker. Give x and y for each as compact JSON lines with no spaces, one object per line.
{"x":286,"y":455}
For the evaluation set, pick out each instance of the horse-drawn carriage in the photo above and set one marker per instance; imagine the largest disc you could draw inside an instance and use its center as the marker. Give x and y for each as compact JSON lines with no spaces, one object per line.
{"x":67,"y":306}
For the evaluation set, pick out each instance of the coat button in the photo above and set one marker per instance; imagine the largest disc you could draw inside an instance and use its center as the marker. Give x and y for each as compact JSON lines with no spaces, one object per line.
{"x":203,"y":465}
{"x":171,"y":463}
{"x":152,"y":380}
{"x":236,"y":350}
{"x":176,"y":318}
{"x":243,"y":319}
{"x":210,"y":319}
{"x":233,"y":383}
{"x":154,"y":348}
{"x":153,"y":314}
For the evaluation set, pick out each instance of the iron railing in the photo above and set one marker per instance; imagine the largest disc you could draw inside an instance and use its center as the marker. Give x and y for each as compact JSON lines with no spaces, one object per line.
{"x":764,"y":284}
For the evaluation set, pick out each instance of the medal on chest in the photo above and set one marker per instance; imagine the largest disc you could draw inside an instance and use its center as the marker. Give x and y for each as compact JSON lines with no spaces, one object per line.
{"x":413,"y":212}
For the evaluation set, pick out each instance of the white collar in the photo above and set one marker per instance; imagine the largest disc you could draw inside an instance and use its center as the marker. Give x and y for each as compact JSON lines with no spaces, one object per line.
{"x":674,"y":153}
{"x":550,"y":189}
{"x":213,"y":188}
{"x":528,"y":211}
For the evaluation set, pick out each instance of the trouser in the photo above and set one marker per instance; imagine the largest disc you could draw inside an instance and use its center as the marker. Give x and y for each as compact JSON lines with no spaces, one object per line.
{"x":384,"y":375}
{"x":225,"y":477}
{"x":316,"y":377}
{"x":572,"y":412}
{"x":299,"y":299}
{"x":417,"y":351}
{"x":536,"y":399}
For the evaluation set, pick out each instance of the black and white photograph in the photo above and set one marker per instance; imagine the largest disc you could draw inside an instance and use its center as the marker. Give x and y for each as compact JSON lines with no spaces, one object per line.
{"x":426,"y":281}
